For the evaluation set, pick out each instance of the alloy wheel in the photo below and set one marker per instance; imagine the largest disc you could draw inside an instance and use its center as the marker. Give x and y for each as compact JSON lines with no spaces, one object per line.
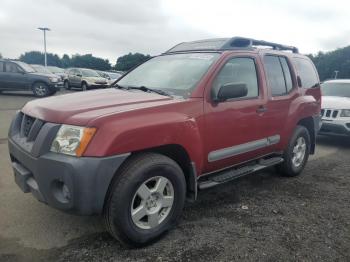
{"x":152,"y":202}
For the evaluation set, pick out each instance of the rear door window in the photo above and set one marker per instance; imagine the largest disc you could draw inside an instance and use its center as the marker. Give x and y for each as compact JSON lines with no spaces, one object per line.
{"x":306,"y":72}
{"x":286,"y":72}
{"x":275,"y":75}
{"x":278,"y":75}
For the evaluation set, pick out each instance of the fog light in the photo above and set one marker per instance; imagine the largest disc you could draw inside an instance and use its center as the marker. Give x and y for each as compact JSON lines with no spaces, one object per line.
{"x":65,"y":192}
{"x":61,"y":192}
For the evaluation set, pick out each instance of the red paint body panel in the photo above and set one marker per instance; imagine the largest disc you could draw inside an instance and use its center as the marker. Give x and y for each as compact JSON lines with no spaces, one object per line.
{"x":132,"y":121}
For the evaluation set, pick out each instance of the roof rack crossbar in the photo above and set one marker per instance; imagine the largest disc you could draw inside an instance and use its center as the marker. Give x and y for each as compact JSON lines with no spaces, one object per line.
{"x":253,"y":42}
{"x":228,"y":44}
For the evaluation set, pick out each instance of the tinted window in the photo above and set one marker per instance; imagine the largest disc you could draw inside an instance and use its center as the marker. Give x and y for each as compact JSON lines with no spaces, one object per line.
{"x":238,"y":70}
{"x":1,"y":66}
{"x":72,"y":71}
{"x":306,"y":72}
{"x":287,"y":75}
{"x":275,"y":75}
{"x":23,"y":66}
{"x":89,"y":73}
{"x":11,"y":68}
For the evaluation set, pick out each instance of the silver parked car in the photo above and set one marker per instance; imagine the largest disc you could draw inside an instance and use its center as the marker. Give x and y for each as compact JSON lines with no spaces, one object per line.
{"x":84,"y":78}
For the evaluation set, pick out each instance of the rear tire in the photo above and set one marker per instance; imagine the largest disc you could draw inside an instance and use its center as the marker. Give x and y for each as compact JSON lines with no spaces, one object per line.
{"x":297,"y":153}
{"x":145,"y":199}
{"x":40,"y":89}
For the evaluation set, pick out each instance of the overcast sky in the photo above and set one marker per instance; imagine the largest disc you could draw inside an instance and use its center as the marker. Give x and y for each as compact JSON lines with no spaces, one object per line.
{"x":110,"y":28}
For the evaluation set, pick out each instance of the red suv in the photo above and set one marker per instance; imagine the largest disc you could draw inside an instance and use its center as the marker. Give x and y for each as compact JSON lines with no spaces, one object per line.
{"x":201,"y":114}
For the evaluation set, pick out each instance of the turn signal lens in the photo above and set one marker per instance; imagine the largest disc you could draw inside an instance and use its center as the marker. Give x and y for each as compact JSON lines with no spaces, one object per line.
{"x":88,"y":133}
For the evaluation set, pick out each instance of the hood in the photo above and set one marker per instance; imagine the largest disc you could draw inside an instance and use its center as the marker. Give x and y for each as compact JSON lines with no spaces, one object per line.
{"x":80,"y":108}
{"x":43,"y":74}
{"x":335,"y":102}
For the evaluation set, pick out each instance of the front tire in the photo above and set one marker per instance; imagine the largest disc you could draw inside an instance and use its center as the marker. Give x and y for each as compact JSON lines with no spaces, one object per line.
{"x":145,"y":199}
{"x":66,"y":85}
{"x":41,"y":89}
{"x":84,"y":86}
{"x":297,"y":153}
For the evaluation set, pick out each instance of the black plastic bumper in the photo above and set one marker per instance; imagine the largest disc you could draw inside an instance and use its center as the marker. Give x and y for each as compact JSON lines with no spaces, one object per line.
{"x":75,"y":185}
{"x":56,"y":86}
{"x":333,"y":129}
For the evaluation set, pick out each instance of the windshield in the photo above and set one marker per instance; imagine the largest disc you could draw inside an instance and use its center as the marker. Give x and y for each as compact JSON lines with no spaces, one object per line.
{"x":27,"y":68}
{"x":54,"y":69}
{"x":89,"y":73}
{"x":336,"y":89}
{"x":175,"y":74}
{"x":41,"y":69}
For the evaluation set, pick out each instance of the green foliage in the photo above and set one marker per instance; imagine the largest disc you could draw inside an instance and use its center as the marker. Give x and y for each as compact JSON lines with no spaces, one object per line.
{"x":126,"y":62}
{"x":65,"y":61}
{"x":0,"y":55}
{"x":86,"y":61}
{"x":89,"y":61}
{"x":35,"y":57}
{"x":329,"y":62}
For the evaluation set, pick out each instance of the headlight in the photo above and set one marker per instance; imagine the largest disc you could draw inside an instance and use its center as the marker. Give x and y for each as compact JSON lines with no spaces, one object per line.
{"x":53,"y":79}
{"x":345,"y":113}
{"x":72,"y":140}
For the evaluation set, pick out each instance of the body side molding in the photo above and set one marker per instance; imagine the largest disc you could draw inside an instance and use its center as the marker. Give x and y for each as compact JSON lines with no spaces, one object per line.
{"x":242,"y":148}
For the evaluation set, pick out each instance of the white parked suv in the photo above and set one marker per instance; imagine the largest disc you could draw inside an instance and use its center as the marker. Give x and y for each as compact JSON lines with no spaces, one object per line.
{"x":336,"y":107}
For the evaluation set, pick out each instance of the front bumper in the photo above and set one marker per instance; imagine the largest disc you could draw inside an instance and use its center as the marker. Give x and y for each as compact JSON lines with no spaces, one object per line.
{"x":56,"y":86}
{"x":72,"y":184}
{"x":335,"y":127}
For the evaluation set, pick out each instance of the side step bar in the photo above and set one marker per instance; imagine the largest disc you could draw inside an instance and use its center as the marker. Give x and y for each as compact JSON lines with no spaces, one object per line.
{"x":234,"y":173}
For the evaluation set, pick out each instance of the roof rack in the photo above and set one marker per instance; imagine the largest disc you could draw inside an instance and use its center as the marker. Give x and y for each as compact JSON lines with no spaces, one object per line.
{"x":217,"y":44}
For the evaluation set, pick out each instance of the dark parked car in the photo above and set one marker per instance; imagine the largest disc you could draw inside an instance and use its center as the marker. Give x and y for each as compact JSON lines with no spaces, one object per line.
{"x":58,"y":71}
{"x":44,"y":70}
{"x":19,"y":76}
{"x":84,"y":78}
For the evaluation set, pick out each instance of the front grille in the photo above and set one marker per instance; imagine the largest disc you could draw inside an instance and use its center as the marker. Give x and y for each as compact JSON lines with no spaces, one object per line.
{"x":329,"y":113}
{"x":29,"y":127}
{"x":27,"y":124}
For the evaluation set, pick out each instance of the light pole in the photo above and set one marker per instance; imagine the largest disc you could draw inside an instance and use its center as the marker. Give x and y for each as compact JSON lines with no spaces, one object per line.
{"x":336,"y":74}
{"x":44,"y":29}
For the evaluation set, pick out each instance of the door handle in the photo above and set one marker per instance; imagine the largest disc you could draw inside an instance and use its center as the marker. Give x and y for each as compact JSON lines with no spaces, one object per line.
{"x":261,"y":109}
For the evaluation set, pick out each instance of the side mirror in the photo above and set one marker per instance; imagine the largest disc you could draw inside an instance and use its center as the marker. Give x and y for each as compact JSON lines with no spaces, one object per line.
{"x":79,"y":75}
{"x":230,"y":91}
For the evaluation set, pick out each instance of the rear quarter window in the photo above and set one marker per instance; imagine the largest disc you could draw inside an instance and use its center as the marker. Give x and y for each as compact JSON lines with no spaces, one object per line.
{"x":306,"y":72}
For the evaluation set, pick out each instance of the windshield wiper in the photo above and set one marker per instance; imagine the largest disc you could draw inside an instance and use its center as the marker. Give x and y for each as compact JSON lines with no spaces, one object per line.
{"x":120,"y":87}
{"x":147,"y":89}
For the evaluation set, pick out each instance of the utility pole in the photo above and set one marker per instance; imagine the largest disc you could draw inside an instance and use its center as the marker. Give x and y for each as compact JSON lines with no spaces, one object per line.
{"x":44,"y":29}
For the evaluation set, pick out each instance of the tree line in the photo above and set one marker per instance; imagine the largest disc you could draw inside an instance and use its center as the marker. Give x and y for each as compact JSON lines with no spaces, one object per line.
{"x":124,"y":63}
{"x":328,"y":64}
{"x":333,"y":64}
